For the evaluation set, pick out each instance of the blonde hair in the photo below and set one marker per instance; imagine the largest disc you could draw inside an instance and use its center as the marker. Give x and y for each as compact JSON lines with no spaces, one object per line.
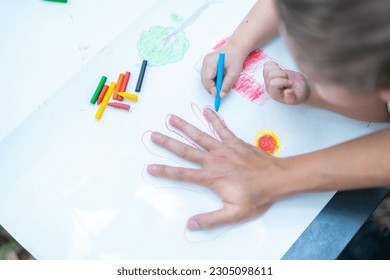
{"x":346,"y":41}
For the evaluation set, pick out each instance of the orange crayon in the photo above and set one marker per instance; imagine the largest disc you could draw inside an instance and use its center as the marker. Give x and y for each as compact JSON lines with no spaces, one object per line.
{"x":118,"y":87}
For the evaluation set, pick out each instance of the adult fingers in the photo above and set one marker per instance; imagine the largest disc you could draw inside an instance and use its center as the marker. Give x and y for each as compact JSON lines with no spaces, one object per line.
{"x":178,"y":148}
{"x":179,"y":174}
{"x":220,"y":127}
{"x":221,"y":217}
{"x":199,"y":137}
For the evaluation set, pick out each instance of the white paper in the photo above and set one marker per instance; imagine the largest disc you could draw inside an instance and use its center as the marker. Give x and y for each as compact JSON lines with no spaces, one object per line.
{"x":81,"y":185}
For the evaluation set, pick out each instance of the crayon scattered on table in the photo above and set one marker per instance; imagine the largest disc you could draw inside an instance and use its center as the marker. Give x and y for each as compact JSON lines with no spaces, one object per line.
{"x":119,"y":105}
{"x":118,"y":87}
{"x":98,"y":89}
{"x":59,"y":1}
{"x":141,"y":76}
{"x":102,"y":94}
{"x":106,"y":98}
{"x":125,"y":82}
{"x":130,"y":96}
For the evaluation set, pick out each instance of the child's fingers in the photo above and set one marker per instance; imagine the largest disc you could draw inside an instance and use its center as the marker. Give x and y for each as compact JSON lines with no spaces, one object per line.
{"x":208,"y":74}
{"x":208,"y":80}
{"x":269,"y":65}
{"x":228,"y":81}
{"x":289,"y":96}
{"x":277,"y":85}
{"x":273,"y":70}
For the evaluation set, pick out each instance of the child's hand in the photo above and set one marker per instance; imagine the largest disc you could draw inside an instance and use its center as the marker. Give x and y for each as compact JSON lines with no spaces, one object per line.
{"x":285,"y":86}
{"x":234,"y":59}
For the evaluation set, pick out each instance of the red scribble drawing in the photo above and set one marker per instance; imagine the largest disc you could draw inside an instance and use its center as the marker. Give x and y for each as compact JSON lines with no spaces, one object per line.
{"x":250,"y":84}
{"x":221,"y":43}
{"x":251,"y":63}
{"x":250,"y":88}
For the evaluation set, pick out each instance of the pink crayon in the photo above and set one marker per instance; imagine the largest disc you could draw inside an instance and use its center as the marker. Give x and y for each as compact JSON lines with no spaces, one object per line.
{"x":119,"y":105}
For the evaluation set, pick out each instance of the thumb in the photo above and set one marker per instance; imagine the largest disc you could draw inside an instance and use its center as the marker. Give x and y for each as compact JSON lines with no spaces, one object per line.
{"x":212,"y":220}
{"x":271,"y":65}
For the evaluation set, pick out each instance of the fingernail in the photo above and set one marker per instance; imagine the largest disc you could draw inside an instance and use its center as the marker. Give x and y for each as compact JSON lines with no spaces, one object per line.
{"x":223,"y":94}
{"x":151,"y":168}
{"x":206,"y":113}
{"x":173,"y":119}
{"x":156,"y":135}
{"x":208,"y":110}
{"x":193,"y":225}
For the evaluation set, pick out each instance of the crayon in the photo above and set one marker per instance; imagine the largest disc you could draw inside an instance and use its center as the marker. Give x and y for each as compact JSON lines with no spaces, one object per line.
{"x":125,"y":82}
{"x":220,"y":69}
{"x":102,"y":94}
{"x":141,"y":76}
{"x":119,"y":105}
{"x":118,"y":87}
{"x":130,"y":96}
{"x":106,"y":98}
{"x":59,"y":1}
{"x":98,"y":89}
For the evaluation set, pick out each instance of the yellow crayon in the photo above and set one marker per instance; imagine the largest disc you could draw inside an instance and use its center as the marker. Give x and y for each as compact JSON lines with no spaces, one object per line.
{"x":103,"y":105}
{"x":130,"y":96}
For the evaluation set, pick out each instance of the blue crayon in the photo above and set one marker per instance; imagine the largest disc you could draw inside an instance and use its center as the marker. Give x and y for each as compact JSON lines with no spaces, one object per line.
{"x":220,"y":70}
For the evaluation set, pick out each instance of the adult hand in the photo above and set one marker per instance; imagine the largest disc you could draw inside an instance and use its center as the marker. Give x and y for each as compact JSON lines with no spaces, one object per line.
{"x":241,"y":174}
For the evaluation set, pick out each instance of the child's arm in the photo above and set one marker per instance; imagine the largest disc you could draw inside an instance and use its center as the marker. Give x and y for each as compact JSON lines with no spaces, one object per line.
{"x":259,"y":26}
{"x":249,"y":180}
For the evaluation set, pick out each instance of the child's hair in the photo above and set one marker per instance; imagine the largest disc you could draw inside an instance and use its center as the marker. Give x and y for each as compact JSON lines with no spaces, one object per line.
{"x":347,"y":41}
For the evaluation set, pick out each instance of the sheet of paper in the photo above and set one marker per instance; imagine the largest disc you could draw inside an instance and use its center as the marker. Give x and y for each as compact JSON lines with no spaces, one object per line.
{"x":43,"y":44}
{"x":81,"y":185}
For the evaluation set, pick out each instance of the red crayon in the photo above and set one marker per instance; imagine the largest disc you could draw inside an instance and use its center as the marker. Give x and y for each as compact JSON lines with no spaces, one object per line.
{"x":102,"y":94}
{"x":125,"y":82}
{"x":119,"y":105}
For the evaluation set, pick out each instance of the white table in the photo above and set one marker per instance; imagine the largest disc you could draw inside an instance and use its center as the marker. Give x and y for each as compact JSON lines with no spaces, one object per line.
{"x":56,"y":197}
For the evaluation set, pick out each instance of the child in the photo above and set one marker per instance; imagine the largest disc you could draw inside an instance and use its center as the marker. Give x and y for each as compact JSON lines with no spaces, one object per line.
{"x":343,"y":49}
